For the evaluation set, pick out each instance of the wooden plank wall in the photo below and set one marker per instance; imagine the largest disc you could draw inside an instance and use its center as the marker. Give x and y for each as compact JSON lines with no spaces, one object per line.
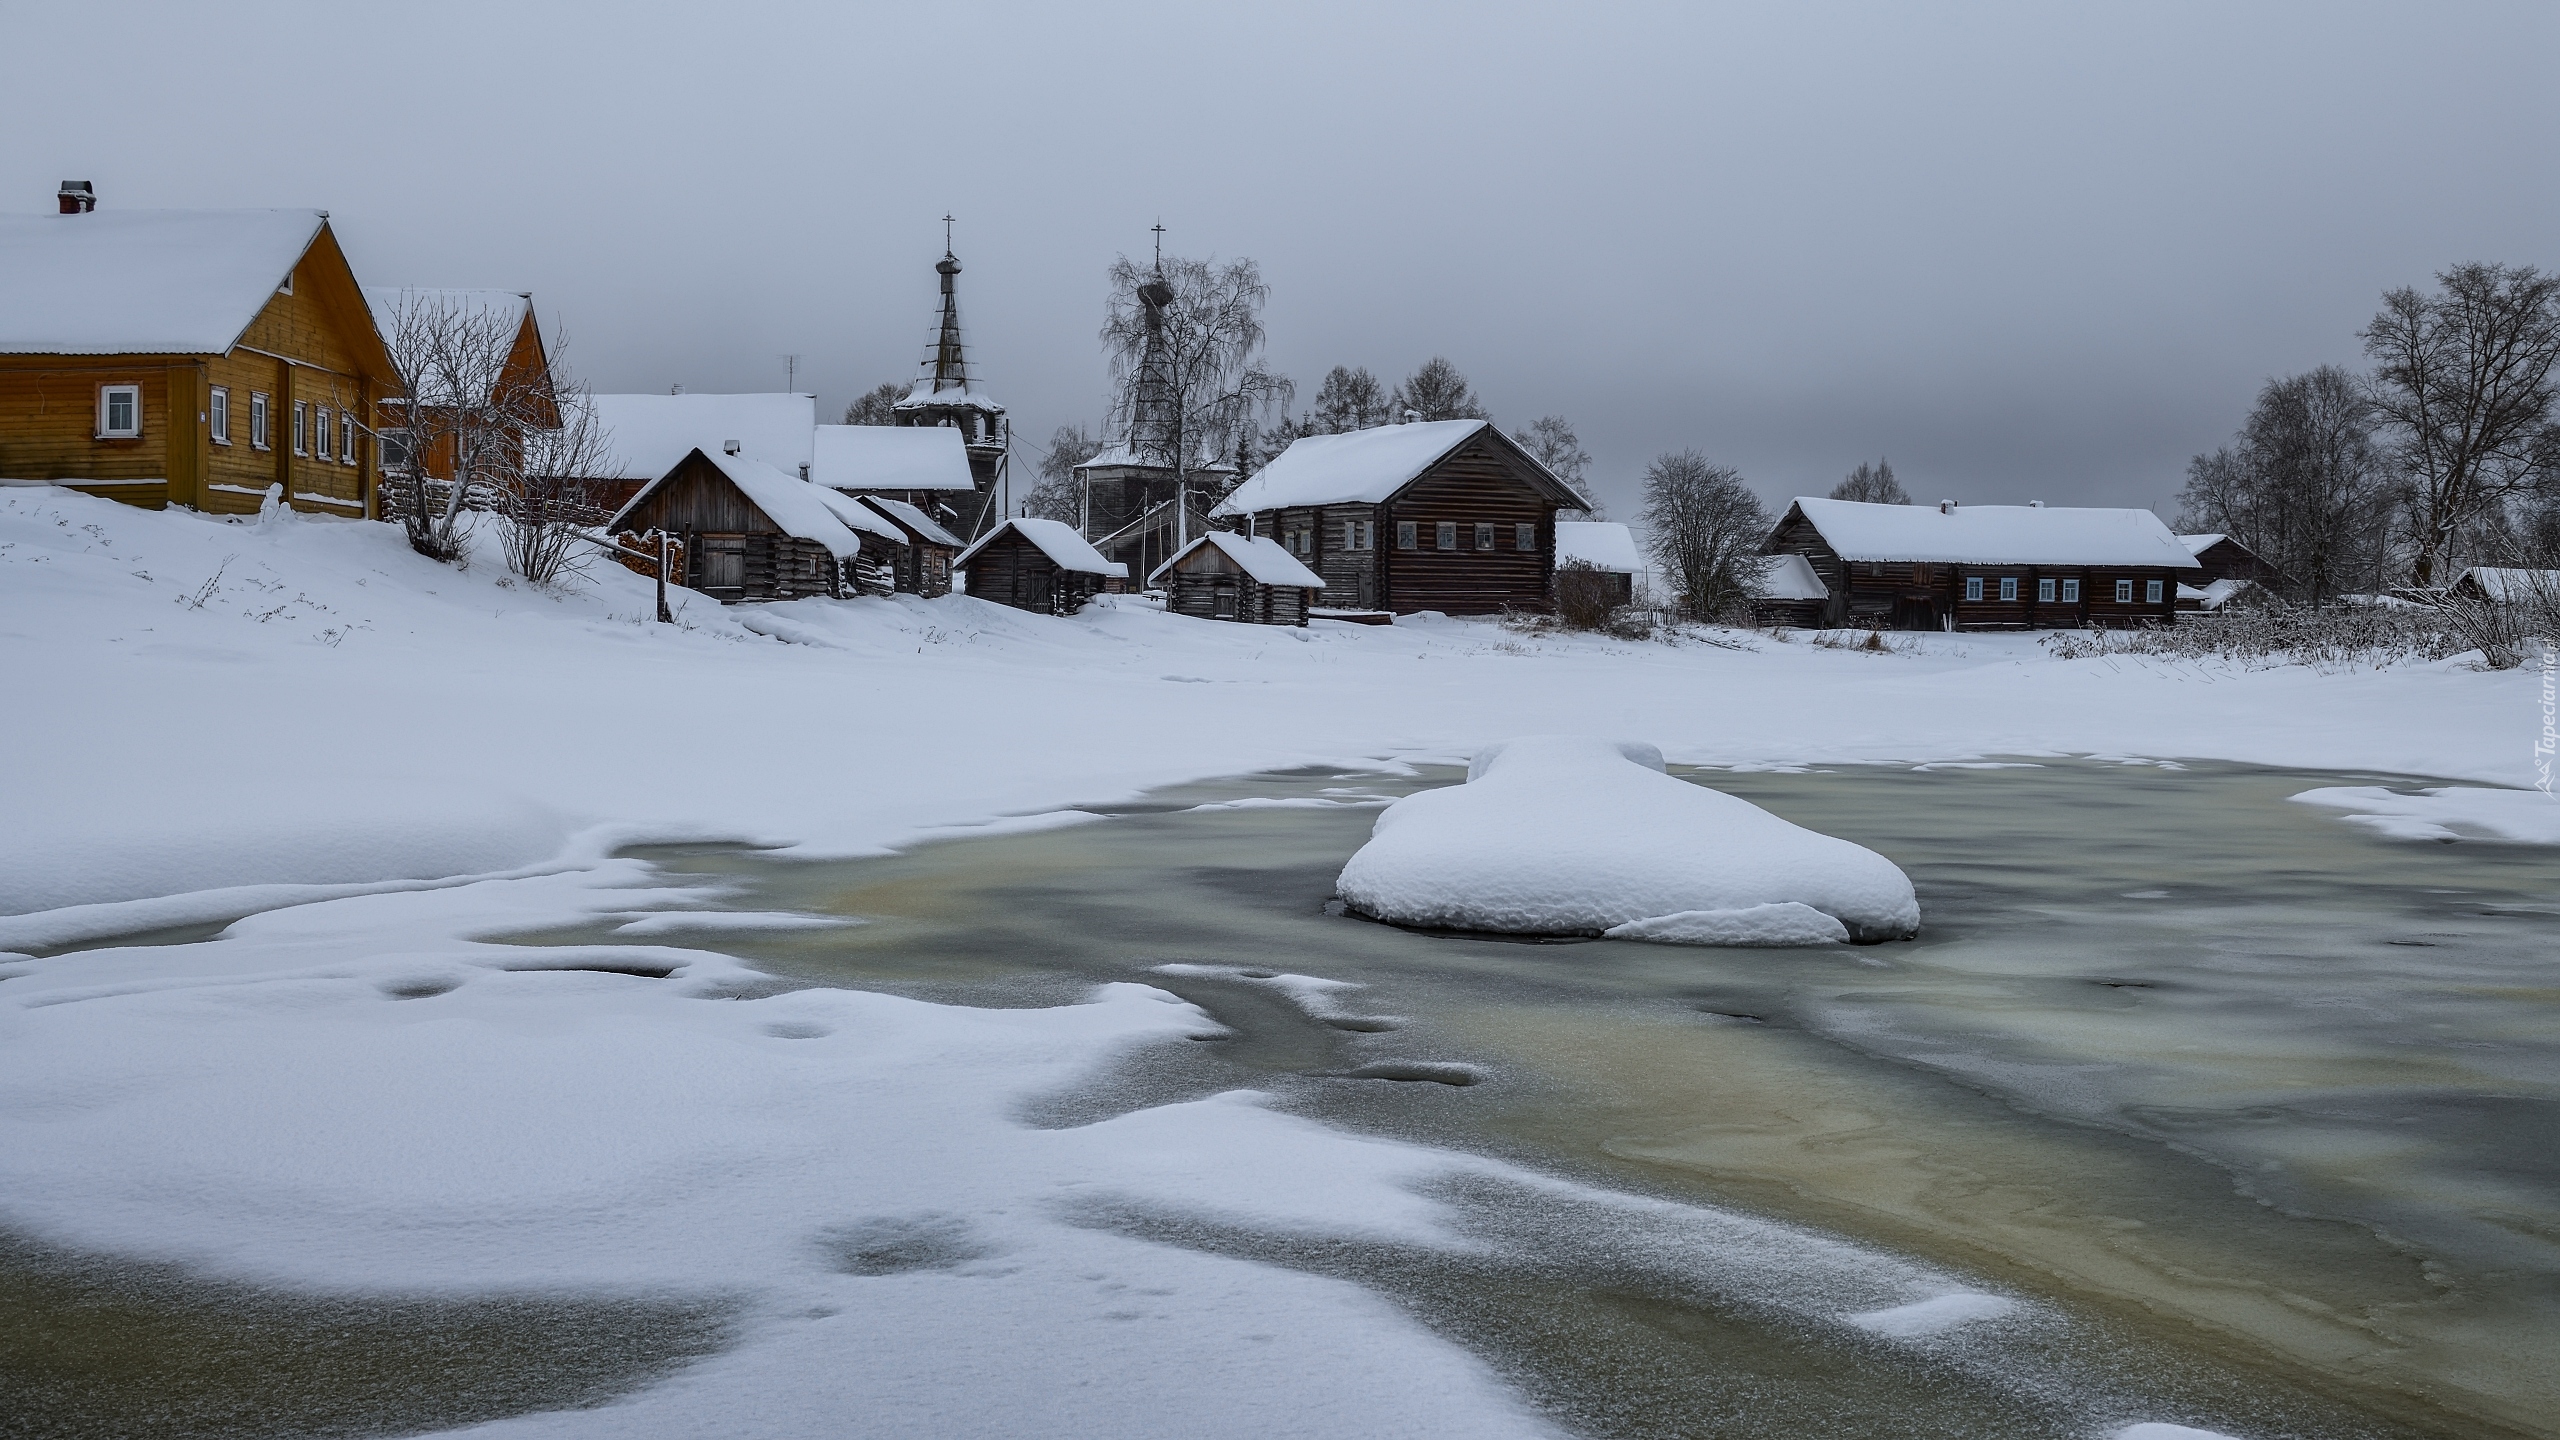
{"x":1470,"y":486}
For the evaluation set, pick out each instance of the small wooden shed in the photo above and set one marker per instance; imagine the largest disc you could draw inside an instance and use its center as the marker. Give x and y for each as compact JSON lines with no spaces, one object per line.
{"x":1224,"y":576}
{"x":924,"y":566}
{"x":2224,"y":558}
{"x":1789,"y":593}
{"x":1042,"y":566}
{"x":750,"y":532}
{"x":1604,"y":545}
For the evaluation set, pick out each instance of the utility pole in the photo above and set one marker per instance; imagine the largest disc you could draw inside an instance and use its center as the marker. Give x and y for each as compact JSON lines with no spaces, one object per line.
{"x":791,"y":374}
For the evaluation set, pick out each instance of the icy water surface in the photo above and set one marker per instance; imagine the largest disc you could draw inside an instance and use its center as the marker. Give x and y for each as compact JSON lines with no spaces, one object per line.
{"x":2259,"y":1112}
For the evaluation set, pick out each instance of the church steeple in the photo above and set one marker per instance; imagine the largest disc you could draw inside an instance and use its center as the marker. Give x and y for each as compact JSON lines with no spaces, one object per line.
{"x":945,"y":396}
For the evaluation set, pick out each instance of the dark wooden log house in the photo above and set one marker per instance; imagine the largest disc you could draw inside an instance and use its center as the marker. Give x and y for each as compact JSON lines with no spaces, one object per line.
{"x":1446,"y":515}
{"x":1986,"y":567}
{"x":1222,"y":576}
{"x":750,"y":532}
{"x":1042,"y":566}
{"x":924,"y":566}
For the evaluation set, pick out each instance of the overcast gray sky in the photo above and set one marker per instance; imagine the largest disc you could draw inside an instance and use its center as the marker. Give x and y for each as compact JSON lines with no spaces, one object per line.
{"x":2027,"y":251}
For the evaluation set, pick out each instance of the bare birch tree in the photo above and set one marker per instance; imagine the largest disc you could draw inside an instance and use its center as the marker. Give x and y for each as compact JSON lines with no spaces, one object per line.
{"x":1057,"y":496}
{"x":877,"y":405}
{"x":548,"y":505}
{"x":1185,"y":338}
{"x":464,"y":412}
{"x":2307,"y":488}
{"x":1349,"y":399}
{"x":1705,"y":529}
{"x":1552,"y":441}
{"x":1437,"y":391}
{"x":2463,"y":381}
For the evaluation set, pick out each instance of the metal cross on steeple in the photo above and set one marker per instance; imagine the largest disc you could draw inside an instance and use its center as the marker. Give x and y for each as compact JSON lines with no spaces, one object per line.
{"x":946,"y":232}
{"x":1159,"y":247}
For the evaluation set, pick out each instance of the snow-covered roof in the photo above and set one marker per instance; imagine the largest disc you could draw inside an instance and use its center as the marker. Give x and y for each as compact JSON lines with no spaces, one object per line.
{"x":1360,"y":467}
{"x":925,"y":526}
{"x":890,"y":457}
{"x":2508,"y":582}
{"x":2198,"y":544}
{"x":1055,"y":539}
{"x":1258,"y":556}
{"x":795,"y":506}
{"x":858,"y":516}
{"x":1790,"y":577}
{"x":648,"y":434}
{"x":2210,"y":597}
{"x":1604,"y":543}
{"x":1123,"y":453}
{"x":1995,"y":534}
{"x":143,"y":282}
{"x":924,"y":396}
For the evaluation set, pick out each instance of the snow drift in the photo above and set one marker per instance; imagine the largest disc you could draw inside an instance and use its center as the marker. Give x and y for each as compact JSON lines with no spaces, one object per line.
{"x":1573,"y":835}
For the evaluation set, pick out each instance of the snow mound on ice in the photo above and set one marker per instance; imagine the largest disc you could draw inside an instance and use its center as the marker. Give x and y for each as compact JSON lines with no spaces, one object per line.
{"x":2161,"y":1430}
{"x":2447,"y":812}
{"x":1575,"y":835}
{"x":1786,"y":923}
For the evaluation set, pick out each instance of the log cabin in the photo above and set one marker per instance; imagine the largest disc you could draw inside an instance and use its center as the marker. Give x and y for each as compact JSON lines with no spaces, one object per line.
{"x":188,"y":357}
{"x":751,"y":532}
{"x":420,"y":443}
{"x":1042,"y":566}
{"x":1985,"y":567}
{"x":1222,"y":576}
{"x":2224,"y":558}
{"x":1788,"y":592}
{"x":924,"y":567}
{"x":1445,"y":515}
{"x":1606,"y":546}
{"x":927,"y":467}
{"x":647,"y":434}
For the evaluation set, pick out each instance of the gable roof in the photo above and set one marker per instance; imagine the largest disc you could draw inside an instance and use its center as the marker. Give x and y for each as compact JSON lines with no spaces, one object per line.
{"x":1790,"y":577}
{"x":1604,"y":543}
{"x":1055,"y":539}
{"x":923,"y":526}
{"x":1367,"y":467}
{"x":890,"y":457}
{"x":1858,"y":530}
{"x":2198,"y":544}
{"x":1259,"y":556}
{"x":144,"y":282}
{"x":647,"y":434}
{"x":796,"y":507}
{"x":2504,"y":583}
{"x":854,"y":515}
{"x":511,"y":308}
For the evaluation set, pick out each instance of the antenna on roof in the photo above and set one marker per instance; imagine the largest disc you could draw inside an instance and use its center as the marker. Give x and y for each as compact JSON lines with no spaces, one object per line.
{"x":791,"y":374}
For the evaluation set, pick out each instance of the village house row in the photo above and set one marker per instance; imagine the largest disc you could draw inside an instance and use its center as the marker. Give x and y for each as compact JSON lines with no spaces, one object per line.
{"x":218,"y":359}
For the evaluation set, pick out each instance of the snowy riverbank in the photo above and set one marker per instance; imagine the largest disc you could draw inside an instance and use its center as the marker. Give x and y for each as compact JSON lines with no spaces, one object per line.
{"x":362,"y":1091}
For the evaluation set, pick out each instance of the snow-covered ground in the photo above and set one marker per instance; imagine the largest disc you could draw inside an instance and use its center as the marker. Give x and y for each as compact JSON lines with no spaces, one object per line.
{"x":378,"y":761}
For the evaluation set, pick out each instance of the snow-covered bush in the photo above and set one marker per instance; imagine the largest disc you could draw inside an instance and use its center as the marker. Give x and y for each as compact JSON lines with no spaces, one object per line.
{"x":2282,"y":633}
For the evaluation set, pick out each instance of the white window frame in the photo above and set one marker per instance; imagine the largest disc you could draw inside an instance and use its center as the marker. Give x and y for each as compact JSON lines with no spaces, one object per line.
{"x":259,"y":406}
{"x":2151,"y":592}
{"x":2124,"y":592}
{"x":347,"y":439}
{"x":301,"y":427}
{"x":324,"y":434}
{"x":1524,"y":536}
{"x":2044,"y":591}
{"x":1973,"y":587}
{"x":2070,"y":592}
{"x":1408,"y":534}
{"x":107,"y":397}
{"x":1445,"y":535}
{"x":217,"y":412}
{"x":2009,"y":589}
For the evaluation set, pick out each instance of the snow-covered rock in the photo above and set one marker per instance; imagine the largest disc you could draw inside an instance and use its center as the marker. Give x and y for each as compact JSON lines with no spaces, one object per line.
{"x":1575,"y":835}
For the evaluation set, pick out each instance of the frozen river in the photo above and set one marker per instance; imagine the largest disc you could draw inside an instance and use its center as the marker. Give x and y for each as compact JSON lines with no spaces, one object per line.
{"x":2256,"y":1111}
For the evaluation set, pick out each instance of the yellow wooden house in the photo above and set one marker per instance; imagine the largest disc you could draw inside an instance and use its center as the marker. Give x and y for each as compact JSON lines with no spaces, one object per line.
{"x":188,"y":357}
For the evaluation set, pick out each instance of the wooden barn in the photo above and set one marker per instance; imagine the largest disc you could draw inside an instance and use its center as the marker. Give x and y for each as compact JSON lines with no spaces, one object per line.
{"x":188,"y":357}
{"x":1223,"y":576}
{"x":1985,"y":567}
{"x":751,"y":532}
{"x":1446,"y":515}
{"x":1042,"y":566}
{"x":924,"y":567}
{"x":1789,"y":592}
{"x":928,"y":468}
{"x":2224,"y":558}
{"x":1606,"y":546}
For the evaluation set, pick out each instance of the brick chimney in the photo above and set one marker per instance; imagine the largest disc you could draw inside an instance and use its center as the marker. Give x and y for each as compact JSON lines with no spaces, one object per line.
{"x":76,"y":198}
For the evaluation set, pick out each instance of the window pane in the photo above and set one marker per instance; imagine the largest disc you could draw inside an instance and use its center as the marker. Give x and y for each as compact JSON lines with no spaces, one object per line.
{"x":1484,"y":535}
{"x":2124,"y":592}
{"x":2070,"y":590}
{"x":2044,"y":590}
{"x":1524,"y":537}
{"x":2008,"y":587}
{"x":2151,"y":592}
{"x":1406,"y":533}
{"x":1973,"y":587}
{"x":1448,"y":536}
